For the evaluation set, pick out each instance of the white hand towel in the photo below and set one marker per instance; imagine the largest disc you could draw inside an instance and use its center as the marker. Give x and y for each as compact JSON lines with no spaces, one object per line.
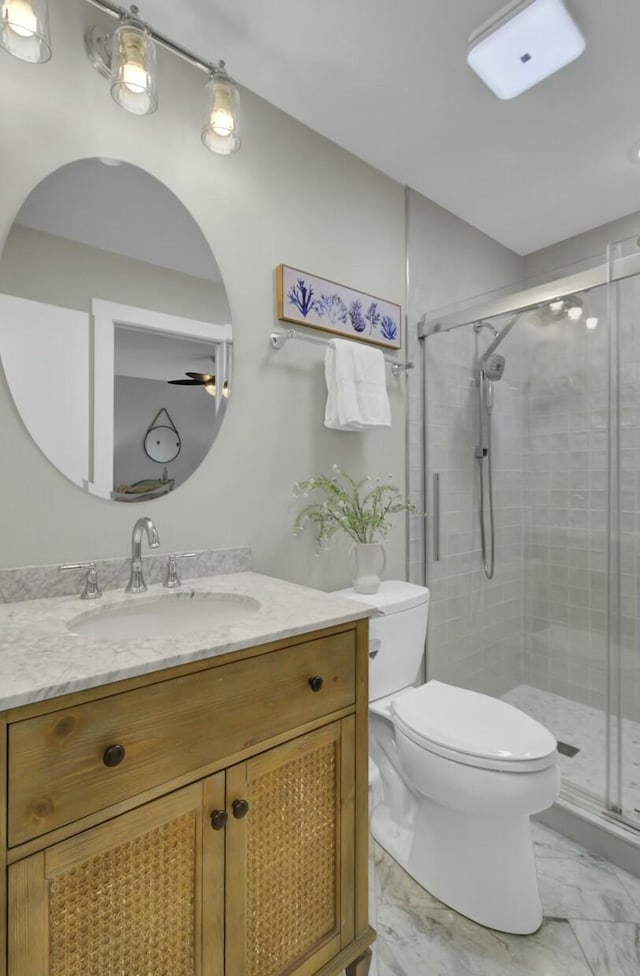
{"x":356,"y":387}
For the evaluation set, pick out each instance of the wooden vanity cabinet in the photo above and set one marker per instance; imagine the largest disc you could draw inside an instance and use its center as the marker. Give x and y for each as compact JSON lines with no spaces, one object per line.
{"x":253,"y":864}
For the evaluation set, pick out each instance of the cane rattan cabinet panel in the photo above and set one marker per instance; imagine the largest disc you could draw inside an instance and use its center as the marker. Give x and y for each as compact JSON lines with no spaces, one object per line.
{"x":124,"y":897}
{"x":230,"y":838}
{"x":58,"y":768}
{"x":290,"y":900}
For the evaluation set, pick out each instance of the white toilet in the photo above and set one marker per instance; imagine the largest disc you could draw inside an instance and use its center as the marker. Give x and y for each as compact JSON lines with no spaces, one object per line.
{"x":461,"y":774}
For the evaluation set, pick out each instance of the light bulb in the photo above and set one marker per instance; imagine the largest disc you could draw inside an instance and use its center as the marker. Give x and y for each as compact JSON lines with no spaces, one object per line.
{"x":24,"y":29}
{"x":210,"y":388}
{"x":557,"y":306}
{"x":222,"y":121}
{"x":591,"y":323}
{"x":574,"y":312}
{"x":225,"y":389}
{"x":220,"y":130}
{"x":134,"y":77}
{"x":20,"y":17}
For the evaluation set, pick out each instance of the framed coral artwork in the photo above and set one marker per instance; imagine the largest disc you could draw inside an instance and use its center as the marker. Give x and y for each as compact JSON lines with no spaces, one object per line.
{"x":321,"y":304}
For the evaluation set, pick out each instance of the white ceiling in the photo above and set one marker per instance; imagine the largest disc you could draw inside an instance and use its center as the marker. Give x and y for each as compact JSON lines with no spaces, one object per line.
{"x":389,"y":82}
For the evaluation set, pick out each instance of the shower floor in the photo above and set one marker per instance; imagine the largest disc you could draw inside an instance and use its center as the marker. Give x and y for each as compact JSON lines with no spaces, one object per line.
{"x":584,"y":727}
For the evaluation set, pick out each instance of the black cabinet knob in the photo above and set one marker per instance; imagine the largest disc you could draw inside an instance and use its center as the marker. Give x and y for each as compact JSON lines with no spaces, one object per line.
{"x":219,"y":819}
{"x":113,"y":755}
{"x":240,"y":809}
{"x":316,"y":683}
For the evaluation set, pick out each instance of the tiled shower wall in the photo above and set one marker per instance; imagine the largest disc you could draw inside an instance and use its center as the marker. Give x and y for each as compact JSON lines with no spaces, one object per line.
{"x":628,"y":327}
{"x":475,"y":627}
{"x":565,"y":526}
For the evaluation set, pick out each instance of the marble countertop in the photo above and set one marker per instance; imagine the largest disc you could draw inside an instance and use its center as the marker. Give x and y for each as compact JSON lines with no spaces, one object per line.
{"x":40,"y":658}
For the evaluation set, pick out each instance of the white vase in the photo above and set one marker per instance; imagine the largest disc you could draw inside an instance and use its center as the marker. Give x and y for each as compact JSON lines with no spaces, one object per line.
{"x":370,"y":560}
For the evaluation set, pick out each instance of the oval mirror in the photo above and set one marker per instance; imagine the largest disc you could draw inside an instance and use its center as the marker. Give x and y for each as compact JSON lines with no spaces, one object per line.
{"x":112,"y":314}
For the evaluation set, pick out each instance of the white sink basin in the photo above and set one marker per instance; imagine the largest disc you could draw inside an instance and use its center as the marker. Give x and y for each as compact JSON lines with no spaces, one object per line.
{"x":170,"y":615}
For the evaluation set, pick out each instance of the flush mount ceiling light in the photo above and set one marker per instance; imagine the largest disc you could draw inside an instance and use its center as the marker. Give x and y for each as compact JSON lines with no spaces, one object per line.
{"x":523,"y":43}
{"x":127,"y":57}
{"x":24,"y":30}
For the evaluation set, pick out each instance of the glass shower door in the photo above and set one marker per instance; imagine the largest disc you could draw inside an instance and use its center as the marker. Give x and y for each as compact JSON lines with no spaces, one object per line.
{"x":624,"y":525}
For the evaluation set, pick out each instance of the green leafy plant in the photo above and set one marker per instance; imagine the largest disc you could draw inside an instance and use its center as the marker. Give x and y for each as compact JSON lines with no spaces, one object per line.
{"x":362,"y":509}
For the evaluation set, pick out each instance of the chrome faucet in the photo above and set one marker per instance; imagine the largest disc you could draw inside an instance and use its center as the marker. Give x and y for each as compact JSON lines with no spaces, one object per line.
{"x":136,"y":582}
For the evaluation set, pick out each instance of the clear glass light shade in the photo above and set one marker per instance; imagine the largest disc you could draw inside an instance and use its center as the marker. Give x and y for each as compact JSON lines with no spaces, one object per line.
{"x":24,"y":30}
{"x":220,"y":130}
{"x":133,"y":70}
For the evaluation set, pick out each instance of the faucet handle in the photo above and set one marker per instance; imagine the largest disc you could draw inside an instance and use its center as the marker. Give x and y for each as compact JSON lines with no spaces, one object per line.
{"x":91,"y":589}
{"x":172,"y":579}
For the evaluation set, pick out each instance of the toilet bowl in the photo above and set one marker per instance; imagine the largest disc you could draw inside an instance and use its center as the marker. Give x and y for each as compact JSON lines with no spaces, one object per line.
{"x":461,"y":774}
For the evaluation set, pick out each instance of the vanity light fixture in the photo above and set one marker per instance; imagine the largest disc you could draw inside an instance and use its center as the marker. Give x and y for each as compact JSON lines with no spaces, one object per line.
{"x":127,"y":57}
{"x":591,"y":323}
{"x":134,"y":85}
{"x":24,"y":30}
{"x":220,"y":130}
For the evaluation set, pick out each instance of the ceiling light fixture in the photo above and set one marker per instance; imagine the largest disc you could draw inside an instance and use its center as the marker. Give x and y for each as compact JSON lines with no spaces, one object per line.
{"x":24,"y":30}
{"x":522,"y":44}
{"x":127,"y":57}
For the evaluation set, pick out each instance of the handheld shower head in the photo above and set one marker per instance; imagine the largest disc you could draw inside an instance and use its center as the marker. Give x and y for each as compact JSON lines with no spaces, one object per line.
{"x":493,"y":368}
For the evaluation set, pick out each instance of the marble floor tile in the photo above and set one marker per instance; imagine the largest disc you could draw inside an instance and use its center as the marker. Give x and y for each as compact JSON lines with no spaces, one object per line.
{"x":418,"y":935}
{"x":442,"y":943}
{"x":548,"y":843}
{"x":591,"y":925}
{"x":578,"y":888}
{"x":632,"y":885}
{"x":611,"y":948}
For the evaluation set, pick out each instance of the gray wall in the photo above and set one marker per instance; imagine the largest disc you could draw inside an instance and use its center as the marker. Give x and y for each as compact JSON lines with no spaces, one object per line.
{"x":288,"y":196}
{"x":582,"y":251}
{"x":47,"y":268}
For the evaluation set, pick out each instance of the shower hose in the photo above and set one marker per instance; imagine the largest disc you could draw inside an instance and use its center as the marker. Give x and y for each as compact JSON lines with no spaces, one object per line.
{"x":488,"y":564}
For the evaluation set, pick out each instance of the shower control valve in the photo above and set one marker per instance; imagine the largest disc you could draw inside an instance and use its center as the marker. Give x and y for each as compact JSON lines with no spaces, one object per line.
{"x":480,"y":452}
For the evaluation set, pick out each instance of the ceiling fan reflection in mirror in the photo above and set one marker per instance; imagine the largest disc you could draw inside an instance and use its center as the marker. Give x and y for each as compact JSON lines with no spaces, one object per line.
{"x":205,"y":380}
{"x":198,"y":379}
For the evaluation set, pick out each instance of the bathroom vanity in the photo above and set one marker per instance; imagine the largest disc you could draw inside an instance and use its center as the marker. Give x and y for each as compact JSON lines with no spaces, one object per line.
{"x":182,"y":809}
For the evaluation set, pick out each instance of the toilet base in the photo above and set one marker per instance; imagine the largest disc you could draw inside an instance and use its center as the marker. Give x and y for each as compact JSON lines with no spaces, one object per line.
{"x":482,"y":867}
{"x":395,"y":839}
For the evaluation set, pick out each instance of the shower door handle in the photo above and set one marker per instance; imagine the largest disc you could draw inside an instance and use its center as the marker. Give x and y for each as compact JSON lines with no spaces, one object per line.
{"x":436,"y":518}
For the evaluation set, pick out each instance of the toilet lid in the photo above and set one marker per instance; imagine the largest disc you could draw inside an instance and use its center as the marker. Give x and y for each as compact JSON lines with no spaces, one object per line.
{"x":471,"y":724}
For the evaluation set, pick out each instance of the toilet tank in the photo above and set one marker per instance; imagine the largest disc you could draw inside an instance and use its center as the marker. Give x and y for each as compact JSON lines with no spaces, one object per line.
{"x":396,"y":635}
